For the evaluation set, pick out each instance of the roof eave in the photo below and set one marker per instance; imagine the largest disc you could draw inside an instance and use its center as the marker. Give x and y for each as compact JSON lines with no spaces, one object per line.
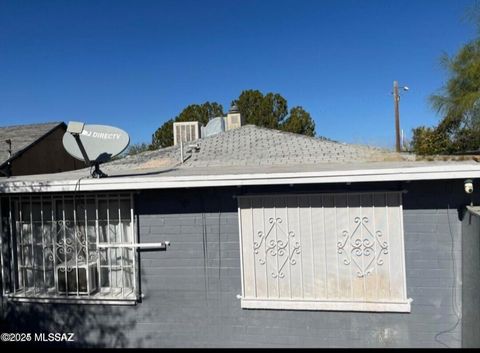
{"x":461,"y":171}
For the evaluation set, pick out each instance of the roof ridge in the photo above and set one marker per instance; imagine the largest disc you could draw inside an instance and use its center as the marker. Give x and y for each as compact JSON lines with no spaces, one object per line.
{"x":34,"y":124}
{"x":252,"y":127}
{"x":315,"y":138}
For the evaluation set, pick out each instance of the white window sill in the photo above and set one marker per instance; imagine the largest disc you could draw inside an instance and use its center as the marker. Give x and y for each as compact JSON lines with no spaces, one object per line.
{"x":254,"y":303}
{"x":99,"y":298}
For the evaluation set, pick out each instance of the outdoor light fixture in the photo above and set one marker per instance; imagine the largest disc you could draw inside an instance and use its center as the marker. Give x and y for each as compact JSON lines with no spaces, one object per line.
{"x":468,"y":185}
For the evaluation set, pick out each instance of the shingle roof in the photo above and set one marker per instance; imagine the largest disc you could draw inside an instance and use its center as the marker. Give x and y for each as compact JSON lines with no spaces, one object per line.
{"x":248,"y":155}
{"x":255,"y":146}
{"x":246,"y":149}
{"x":22,"y":136}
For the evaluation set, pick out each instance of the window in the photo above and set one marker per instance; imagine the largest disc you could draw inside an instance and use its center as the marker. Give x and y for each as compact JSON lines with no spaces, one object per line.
{"x":340,"y":251}
{"x":78,"y":247}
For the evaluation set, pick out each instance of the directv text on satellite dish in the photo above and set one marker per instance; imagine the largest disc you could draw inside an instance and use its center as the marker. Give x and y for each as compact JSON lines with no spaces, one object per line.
{"x":101,"y":135}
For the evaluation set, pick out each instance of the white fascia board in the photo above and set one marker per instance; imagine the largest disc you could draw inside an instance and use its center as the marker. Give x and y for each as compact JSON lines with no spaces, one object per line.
{"x":460,"y":171}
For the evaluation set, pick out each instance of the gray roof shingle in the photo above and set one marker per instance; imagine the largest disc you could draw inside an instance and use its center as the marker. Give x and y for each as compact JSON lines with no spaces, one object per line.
{"x":22,"y":136}
{"x":249,"y":150}
{"x":255,"y":146}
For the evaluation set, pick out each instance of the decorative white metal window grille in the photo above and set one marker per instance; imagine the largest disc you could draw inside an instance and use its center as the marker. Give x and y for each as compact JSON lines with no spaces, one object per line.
{"x":363,"y":253}
{"x":68,"y":246}
{"x":332,"y":251}
{"x":281,"y":251}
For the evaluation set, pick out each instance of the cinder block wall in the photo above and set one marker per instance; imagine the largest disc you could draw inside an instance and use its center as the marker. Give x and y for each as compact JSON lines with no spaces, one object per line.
{"x":471,"y":280}
{"x":190,"y":290}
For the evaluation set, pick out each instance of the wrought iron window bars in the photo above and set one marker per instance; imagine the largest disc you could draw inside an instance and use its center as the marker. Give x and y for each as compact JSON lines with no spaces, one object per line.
{"x":68,"y":246}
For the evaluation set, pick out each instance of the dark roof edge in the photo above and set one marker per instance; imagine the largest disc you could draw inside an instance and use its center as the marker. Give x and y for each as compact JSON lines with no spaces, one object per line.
{"x":33,"y":124}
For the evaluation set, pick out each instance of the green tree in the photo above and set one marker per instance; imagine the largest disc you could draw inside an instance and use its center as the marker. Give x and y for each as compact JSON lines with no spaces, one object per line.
{"x":262,"y":110}
{"x":137,"y":148}
{"x":163,"y":136}
{"x":269,"y":110}
{"x":458,"y":102}
{"x":300,"y":122}
{"x":200,"y":112}
{"x":459,"y":99}
{"x":427,"y":140}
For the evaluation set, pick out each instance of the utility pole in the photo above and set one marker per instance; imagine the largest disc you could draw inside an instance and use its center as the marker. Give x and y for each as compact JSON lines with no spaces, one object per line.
{"x":396,"y":99}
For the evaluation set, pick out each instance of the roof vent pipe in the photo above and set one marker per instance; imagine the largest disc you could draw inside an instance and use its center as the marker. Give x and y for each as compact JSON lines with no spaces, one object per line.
{"x":7,"y":171}
{"x":9,"y":143}
{"x":181,"y":152}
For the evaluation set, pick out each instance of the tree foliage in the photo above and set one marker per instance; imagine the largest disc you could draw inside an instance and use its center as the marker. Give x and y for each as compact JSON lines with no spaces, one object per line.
{"x":458,"y":102}
{"x":200,"y":112}
{"x":262,"y":110}
{"x":299,"y":122}
{"x":137,"y":148}
{"x":427,"y":140}
{"x":269,"y":110}
{"x":163,"y":137}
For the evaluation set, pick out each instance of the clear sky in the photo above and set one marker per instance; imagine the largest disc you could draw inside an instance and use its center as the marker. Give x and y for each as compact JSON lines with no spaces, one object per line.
{"x":135,"y":64}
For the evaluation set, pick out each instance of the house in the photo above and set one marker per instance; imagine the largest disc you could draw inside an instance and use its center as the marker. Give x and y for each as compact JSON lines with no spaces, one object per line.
{"x":34,"y":149}
{"x":248,"y":238}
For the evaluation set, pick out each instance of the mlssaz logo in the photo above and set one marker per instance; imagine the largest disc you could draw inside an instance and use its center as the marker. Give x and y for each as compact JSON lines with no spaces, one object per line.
{"x":54,"y":337}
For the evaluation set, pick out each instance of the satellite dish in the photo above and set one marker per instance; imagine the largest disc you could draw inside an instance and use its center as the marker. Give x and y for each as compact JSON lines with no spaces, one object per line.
{"x":214,"y":126}
{"x":94,"y":144}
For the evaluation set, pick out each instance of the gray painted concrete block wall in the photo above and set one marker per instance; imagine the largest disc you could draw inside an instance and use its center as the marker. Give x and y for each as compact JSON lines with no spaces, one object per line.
{"x":190,"y":290}
{"x":471,"y":280}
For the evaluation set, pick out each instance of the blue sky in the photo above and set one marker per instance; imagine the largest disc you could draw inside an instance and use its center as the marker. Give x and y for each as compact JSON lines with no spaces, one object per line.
{"x":135,"y":64}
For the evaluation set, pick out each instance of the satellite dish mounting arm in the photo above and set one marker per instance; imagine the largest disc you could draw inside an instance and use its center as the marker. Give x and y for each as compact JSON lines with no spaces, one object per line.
{"x":75,"y":129}
{"x":82,"y":149}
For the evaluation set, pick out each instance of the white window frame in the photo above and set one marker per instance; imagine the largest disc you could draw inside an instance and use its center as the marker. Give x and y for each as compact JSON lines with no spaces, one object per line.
{"x":98,"y":255}
{"x":403,"y":305}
